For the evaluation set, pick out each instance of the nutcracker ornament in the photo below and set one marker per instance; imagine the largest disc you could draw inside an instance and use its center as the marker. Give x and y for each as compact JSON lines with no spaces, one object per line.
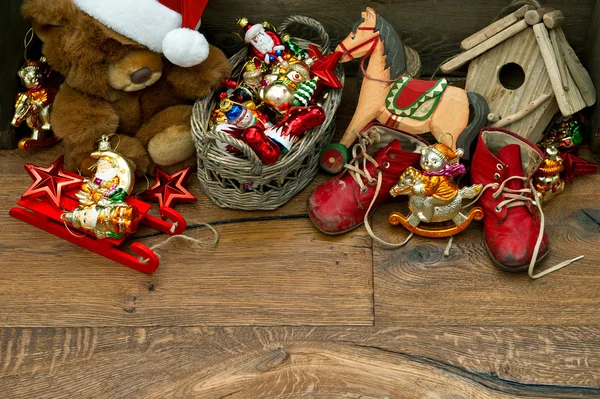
{"x":34,"y":105}
{"x":434,"y":197}
{"x":100,"y":208}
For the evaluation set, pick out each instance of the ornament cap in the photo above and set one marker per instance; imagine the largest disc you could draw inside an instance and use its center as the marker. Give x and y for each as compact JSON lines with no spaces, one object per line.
{"x":104,"y":144}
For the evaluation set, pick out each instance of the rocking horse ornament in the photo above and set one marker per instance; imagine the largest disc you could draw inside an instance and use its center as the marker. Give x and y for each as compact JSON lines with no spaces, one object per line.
{"x":397,"y":100}
{"x":434,"y":197}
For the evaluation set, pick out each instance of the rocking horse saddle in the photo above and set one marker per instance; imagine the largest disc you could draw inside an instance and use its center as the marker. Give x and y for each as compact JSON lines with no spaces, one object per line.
{"x":415,"y":98}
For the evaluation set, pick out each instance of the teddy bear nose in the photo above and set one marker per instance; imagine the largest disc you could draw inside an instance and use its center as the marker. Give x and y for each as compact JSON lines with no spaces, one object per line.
{"x":141,"y":75}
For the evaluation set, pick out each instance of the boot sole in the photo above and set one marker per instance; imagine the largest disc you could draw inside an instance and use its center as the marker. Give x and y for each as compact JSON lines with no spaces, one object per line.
{"x":337,"y":233}
{"x":511,"y":269}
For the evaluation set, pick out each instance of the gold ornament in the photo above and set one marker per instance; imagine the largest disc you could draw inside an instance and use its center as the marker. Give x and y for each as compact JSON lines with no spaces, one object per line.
{"x":102,"y":208}
{"x":547,"y":179}
{"x":34,"y":105}
{"x":433,"y":196}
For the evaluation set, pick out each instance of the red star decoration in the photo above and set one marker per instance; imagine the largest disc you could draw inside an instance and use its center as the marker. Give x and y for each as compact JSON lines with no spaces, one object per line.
{"x":51,"y":181}
{"x":169,"y":189}
{"x":324,"y":67}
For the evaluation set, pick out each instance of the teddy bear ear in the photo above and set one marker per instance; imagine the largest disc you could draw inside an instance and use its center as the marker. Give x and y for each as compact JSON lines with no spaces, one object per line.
{"x":46,"y":15}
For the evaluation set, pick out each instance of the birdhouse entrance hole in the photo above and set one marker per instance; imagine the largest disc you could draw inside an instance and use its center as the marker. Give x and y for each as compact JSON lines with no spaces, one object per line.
{"x":511,"y":76}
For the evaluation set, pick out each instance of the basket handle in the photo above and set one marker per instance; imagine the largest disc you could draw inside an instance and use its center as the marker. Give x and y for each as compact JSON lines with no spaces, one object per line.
{"x":214,"y":136}
{"x":324,"y":44}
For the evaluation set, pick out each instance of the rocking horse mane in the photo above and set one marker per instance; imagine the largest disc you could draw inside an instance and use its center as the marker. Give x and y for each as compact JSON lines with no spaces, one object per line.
{"x":393,"y":48}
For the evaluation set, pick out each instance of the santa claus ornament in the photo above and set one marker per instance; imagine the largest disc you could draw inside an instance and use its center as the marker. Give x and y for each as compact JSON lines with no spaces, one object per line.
{"x":164,"y":26}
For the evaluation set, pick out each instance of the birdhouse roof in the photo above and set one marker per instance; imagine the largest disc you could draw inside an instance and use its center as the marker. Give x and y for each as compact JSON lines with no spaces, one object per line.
{"x":571,"y":83}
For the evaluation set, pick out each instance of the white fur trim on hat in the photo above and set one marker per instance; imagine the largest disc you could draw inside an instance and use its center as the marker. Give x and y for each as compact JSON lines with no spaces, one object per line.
{"x":253,"y":31}
{"x":185,"y":47}
{"x":144,"y":21}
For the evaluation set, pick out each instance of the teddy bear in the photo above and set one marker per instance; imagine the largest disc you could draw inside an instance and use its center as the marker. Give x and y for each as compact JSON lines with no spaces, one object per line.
{"x":133,"y":69}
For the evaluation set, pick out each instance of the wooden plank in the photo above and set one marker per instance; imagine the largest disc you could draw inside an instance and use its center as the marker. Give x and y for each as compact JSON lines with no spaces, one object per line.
{"x":570,"y":101}
{"x":418,"y":286}
{"x":578,"y":72}
{"x":481,"y":48}
{"x":593,"y":66}
{"x":560,"y":59}
{"x":253,"y":276}
{"x":301,"y":362}
{"x":423,"y":25}
{"x":495,"y":28}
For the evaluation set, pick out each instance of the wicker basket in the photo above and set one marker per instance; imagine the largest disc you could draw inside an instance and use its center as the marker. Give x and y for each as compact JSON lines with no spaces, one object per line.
{"x":245,"y":183}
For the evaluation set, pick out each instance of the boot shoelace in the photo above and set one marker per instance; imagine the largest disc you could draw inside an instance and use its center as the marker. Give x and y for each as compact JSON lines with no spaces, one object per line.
{"x":521,"y":197}
{"x":360,"y":152}
{"x":511,"y":199}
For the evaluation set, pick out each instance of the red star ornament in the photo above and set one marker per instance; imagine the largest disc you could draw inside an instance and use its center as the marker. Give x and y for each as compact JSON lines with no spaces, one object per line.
{"x":575,"y":166}
{"x":51,"y":181}
{"x":324,"y":67}
{"x":169,"y":189}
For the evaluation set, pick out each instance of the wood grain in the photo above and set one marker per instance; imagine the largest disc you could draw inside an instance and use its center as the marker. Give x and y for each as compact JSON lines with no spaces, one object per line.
{"x":300,"y":362}
{"x":570,"y":101}
{"x":423,"y":25}
{"x":483,"y":47}
{"x":261,"y":272}
{"x":418,"y":286}
{"x":494,"y":28}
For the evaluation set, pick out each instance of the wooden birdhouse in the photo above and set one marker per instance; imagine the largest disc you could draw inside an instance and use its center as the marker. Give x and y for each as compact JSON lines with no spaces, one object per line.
{"x":525,"y":69}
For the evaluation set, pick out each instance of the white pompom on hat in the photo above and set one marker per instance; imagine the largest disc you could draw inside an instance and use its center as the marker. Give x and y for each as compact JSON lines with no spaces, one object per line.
{"x":164,"y":26}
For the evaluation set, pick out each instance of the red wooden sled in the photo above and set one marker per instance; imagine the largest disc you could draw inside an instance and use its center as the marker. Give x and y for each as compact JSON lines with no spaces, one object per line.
{"x":40,"y":213}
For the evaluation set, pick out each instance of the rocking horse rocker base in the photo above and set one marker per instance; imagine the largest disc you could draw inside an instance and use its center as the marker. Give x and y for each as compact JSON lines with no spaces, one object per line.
{"x":412,"y":224}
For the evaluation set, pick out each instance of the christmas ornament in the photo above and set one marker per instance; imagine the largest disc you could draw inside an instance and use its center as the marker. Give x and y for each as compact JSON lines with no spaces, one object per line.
{"x":547,"y":179}
{"x":566,"y":132}
{"x":34,"y":105}
{"x":296,"y":122}
{"x":433,"y":196}
{"x":266,"y":45}
{"x":50,"y":182}
{"x":169,"y":190}
{"x":100,"y":207}
{"x":280,"y":94}
{"x":324,"y":69}
{"x":305,"y":93}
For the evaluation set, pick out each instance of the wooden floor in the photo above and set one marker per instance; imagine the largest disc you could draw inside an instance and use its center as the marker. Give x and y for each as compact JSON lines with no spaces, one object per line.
{"x":279,"y":310}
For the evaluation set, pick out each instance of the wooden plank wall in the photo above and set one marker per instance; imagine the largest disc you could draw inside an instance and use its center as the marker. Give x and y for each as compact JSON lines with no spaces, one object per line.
{"x":592,"y":58}
{"x":433,"y":28}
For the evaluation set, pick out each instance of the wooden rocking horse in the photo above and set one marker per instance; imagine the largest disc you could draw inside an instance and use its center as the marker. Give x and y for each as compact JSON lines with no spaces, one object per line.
{"x":397,"y":100}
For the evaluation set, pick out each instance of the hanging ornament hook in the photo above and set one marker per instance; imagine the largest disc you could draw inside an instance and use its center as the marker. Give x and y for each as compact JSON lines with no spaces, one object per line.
{"x":27,"y":41}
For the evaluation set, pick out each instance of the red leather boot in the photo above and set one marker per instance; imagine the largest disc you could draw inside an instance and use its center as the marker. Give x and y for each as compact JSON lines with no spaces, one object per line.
{"x":380,"y":157}
{"x":513,"y":225}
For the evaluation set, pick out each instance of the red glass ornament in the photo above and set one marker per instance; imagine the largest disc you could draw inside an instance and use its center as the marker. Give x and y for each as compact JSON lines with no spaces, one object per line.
{"x":267,"y":151}
{"x":51,"y":181}
{"x":169,"y":189}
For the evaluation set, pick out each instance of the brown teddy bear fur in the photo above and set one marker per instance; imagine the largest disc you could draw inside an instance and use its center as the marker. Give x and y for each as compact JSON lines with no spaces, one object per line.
{"x":149,"y":111}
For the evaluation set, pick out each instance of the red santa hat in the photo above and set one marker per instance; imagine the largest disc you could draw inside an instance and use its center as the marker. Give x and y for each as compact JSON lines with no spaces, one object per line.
{"x":164,"y":26}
